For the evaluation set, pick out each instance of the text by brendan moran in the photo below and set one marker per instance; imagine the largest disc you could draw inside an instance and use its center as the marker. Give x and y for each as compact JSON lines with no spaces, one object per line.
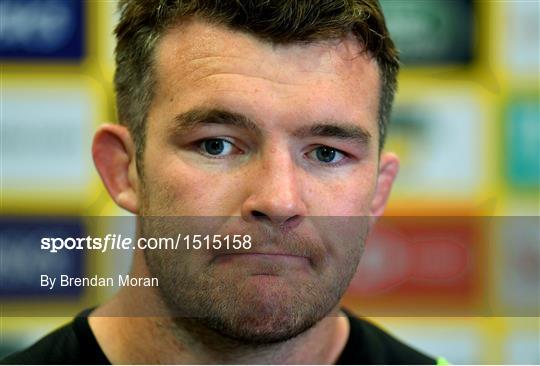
{"x":96,"y":281}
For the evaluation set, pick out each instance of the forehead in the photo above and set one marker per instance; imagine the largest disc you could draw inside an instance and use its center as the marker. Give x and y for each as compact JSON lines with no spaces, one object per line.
{"x":195,"y":38}
{"x":197,"y":62}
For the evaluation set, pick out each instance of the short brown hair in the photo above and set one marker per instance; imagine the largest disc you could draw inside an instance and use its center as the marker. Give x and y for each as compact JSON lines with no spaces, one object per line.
{"x":143,"y":22}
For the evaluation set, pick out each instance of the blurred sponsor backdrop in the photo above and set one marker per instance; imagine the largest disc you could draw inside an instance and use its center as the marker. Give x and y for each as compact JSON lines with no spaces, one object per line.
{"x":466,"y":126}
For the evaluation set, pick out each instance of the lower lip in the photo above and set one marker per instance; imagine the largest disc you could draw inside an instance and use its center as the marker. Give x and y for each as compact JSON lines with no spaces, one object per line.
{"x":291,"y":261}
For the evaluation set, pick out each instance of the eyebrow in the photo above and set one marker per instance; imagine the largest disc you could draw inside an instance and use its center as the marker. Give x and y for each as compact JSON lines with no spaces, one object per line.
{"x":194,"y":118}
{"x":340,"y":130}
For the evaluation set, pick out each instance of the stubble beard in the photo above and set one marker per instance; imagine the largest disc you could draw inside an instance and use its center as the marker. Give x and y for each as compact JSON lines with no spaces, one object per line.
{"x":204,"y":301}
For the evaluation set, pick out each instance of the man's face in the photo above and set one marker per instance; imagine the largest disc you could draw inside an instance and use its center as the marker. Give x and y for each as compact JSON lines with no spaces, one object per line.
{"x":278,"y":142}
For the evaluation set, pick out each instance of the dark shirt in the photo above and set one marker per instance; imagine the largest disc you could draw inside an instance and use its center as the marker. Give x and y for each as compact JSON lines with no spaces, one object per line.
{"x":74,"y":343}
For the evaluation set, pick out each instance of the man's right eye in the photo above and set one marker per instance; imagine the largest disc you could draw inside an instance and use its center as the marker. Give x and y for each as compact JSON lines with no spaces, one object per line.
{"x":216,"y":147}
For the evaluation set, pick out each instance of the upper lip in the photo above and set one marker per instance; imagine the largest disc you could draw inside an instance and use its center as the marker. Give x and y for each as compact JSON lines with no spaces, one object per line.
{"x":265,"y":252}
{"x":268,"y":253}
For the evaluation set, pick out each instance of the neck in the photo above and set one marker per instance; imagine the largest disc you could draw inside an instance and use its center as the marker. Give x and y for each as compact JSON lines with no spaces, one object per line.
{"x":128,"y":333}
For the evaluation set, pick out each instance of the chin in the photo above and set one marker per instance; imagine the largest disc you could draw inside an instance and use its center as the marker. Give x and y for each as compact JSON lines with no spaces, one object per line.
{"x":263,"y":328}
{"x":275,"y":314}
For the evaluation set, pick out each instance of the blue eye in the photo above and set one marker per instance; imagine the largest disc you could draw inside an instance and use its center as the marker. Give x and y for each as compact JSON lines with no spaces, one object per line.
{"x":328,"y":155}
{"x":216,"y":147}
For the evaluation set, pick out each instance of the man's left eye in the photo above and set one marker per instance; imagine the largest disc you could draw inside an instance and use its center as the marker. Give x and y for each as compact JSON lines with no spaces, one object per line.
{"x":327,"y":155}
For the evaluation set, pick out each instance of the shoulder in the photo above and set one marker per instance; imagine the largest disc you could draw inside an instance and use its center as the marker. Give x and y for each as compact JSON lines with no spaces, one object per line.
{"x":49,"y":349}
{"x":73,"y":343}
{"x":369,"y":344}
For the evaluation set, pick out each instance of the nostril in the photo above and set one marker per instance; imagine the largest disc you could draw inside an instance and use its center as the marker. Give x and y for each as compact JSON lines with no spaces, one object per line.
{"x":292,"y":222}
{"x":281,"y":221}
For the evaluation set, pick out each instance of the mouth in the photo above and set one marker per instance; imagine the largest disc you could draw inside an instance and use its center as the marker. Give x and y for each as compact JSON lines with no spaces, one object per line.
{"x":264,"y":263}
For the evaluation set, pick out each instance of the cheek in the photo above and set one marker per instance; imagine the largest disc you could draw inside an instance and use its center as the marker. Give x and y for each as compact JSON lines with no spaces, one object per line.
{"x":351,"y":196}
{"x":176,"y":188}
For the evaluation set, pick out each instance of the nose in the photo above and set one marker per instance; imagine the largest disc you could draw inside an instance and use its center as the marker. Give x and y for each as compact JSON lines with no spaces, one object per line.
{"x":275,"y":192}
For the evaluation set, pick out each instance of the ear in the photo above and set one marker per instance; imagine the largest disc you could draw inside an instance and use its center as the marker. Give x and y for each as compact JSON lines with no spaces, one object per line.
{"x":113,"y":151}
{"x":388,"y":169}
